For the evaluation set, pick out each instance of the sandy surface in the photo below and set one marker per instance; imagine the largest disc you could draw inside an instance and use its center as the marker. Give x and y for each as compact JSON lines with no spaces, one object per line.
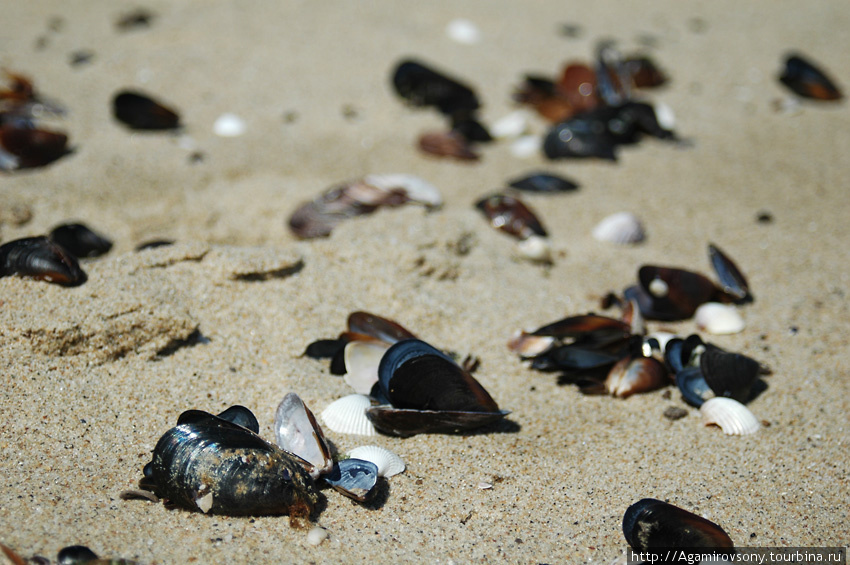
{"x":86,"y":395}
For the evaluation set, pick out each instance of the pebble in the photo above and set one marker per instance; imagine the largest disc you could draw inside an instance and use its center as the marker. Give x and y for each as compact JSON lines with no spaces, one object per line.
{"x":229,"y":125}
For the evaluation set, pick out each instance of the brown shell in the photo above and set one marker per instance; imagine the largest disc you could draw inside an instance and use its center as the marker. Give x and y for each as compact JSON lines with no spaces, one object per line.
{"x":447,"y":144}
{"x":511,"y":215}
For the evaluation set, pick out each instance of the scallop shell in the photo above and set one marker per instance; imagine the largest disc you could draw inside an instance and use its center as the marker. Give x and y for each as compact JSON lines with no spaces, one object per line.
{"x":719,"y":319}
{"x":622,"y":228}
{"x":734,"y":418}
{"x":361,"y":364}
{"x":388,"y":463}
{"x":348,"y":416}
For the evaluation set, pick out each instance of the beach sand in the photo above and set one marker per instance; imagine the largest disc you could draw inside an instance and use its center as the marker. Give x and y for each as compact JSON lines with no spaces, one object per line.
{"x":86,"y":392}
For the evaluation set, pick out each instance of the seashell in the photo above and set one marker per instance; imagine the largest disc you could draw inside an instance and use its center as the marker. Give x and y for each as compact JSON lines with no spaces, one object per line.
{"x":297,"y":432}
{"x":622,"y":228}
{"x":613,"y":85}
{"x":211,"y":464}
{"x":718,"y":319}
{"x":535,"y":248}
{"x":675,"y":296}
{"x":41,"y":259}
{"x":728,"y":374}
{"x":317,"y":535}
{"x":23,"y":146}
{"x":470,"y":129}
{"x":529,"y":345}
{"x":578,"y":86}
{"x":643,"y":71}
{"x":631,"y":315}
{"x":423,"y":86}
{"x":635,"y":375}
{"x":805,"y":79}
{"x":415,"y":188}
{"x":138,"y":111}
{"x":526,"y":146}
{"x":731,"y":416}
{"x":543,"y":95}
{"x":375,"y":326}
{"x":652,"y":524}
{"x":732,"y":281}
{"x":663,"y":339}
{"x":447,"y":144}
{"x":241,"y":416}
{"x":354,"y":478}
{"x":593,"y":329}
{"x":348,"y":416}
{"x":229,"y":125}
{"x":80,"y":240}
{"x":543,"y":182}
{"x":76,"y":554}
{"x":387,"y":462}
{"x":463,"y":31}
{"x":402,"y":422}
{"x":361,"y":364}
{"x":511,"y":215}
{"x":153,"y":244}
{"x":580,"y":137}
{"x":512,"y":125}
{"x":691,"y":383}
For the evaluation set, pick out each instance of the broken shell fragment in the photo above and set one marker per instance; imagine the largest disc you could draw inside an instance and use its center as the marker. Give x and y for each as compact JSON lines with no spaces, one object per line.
{"x":348,"y":416}
{"x":732,"y":280}
{"x":297,"y":432}
{"x":387,"y":462}
{"x":623,"y":228}
{"x":354,"y":478}
{"x":543,"y":182}
{"x":141,"y":112}
{"x":719,"y":319}
{"x":41,"y":259}
{"x":730,"y":415}
{"x":652,"y":524}
{"x":805,"y":79}
{"x":80,"y":240}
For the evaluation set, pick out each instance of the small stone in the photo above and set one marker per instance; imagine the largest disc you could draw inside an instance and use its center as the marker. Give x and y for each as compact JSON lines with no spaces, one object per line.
{"x":229,"y":125}
{"x":675,"y":413}
{"x":463,"y":31}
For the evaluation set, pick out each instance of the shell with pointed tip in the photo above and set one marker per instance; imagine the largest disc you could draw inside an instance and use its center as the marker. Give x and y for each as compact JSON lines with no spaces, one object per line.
{"x":388,"y":463}
{"x":297,"y":432}
{"x":652,"y":524}
{"x":511,"y":215}
{"x":41,"y":259}
{"x":361,"y":364}
{"x":623,"y":228}
{"x":732,"y":280}
{"x":734,"y":418}
{"x":719,"y":319}
{"x":348,"y":416}
{"x":634,"y":375}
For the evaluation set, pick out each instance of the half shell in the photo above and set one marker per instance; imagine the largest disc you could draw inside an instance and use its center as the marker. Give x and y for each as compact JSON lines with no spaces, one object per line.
{"x":348,"y":416}
{"x":623,"y":228}
{"x":388,"y":463}
{"x":734,"y":418}
{"x":297,"y":431}
{"x":719,"y":319}
{"x":361,"y":364}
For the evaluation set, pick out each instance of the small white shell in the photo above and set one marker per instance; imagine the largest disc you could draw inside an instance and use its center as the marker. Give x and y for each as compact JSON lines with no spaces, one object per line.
{"x":511,"y":126}
{"x":536,"y":248}
{"x":416,"y":188}
{"x":204,"y":502}
{"x":526,"y":146}
{"x":317,"y":535}
{"x":658,"y":288}
{"x":361,"y":364}
{"x":734,"y":418}
{"x":388,"y":463}
{"x":463,"y":31}
{"x":622,"y":228}
{"x":348,"y":416}
{"x":719,"y":319}
{"x":665,"y":116}
{"x":229,"y":125}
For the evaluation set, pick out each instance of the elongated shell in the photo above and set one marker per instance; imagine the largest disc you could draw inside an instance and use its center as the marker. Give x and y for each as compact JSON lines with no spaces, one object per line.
{"x":139,"y":111}
{"x":719,"y":319}
{"x":634,"y":375}
{"x":210,"y":464}
{"x":728,"y":373}
{"x":731,"y":416}
{"x":805,"y":79}
{"x":732,"y":280}
{"x":297,"y":432}
{"x":378,"y":327}
{"x":652,"y":524}
{"x":40,"y":258}
{"x":388,"y":463}
{"x":348,"y":416}
{"x":80,"y":240}
{"x":511,"y":215}
{"x":623,"y":228}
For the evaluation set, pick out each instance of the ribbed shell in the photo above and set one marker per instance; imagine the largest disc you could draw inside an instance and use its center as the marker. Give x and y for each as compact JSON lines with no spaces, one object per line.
{"x":734,"y":418}
{"x":388,"y":463}
{"x":348,"y":416}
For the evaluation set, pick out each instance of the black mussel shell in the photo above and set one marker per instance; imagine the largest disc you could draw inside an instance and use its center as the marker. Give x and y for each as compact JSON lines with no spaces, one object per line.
{"x":139,"y":111}
{"x":80,"y":240}
{"x":511,"y":215}
{"x":354,"y":478}
{"x":40,"y":258}
{"x":671,"y":294}
{"x":581,"y":136}
{"x":729,"y":374}
{"x":673,"y":354}
{"x":210,"y":464}
{"x":543,"y":182}
{"x":651,"y":524}
{"x":408,"y":422}
{"x":634,"y":118}
{"x":153,"y":244}
{"x":471,"y":129}
{"x":377,"y":327}
{"x":424,"y":86}
{"x":805,"y":79}
{"x":30,"y":147}
{"x":413,"y":374}
{"x":732,"y":280}
{"x":693,"y":387}
{"x":325,"y":348}
{"x":601,"y":328}
{"x":573,"y":358}
{"x":241,"y":416}
{"x":75,"y":555}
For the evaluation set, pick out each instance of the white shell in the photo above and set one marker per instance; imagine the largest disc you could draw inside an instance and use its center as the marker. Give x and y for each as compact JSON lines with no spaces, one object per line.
{"x":528,"y":345}
{"x":658,"y":288}
{"x":388,"y":463}
{"x":463,"y":31}
{"x":535,"y":248}
{"x":734,"y":418}
{"x":297,"y":432}
{"x":719,"y":319}
{"x":361,"y":364}
{"x":511,"y":126}
{"x":348,"y":416}
{"x":229,"y":125}
{"x":665,"y":116}
{"x":622,"y":228}
{"x":526,"y":146}
{"x":416,"y":188}
{"x":204,"y":502}
{"x":317,"y":535}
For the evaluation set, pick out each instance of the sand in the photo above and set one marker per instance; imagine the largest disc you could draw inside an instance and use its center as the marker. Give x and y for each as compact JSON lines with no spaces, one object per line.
{"x":88,"y":386}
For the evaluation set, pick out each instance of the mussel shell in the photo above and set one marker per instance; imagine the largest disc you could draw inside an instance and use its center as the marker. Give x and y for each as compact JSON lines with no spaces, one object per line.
{"x":408,"y":422}
{"x":423,"y":86}
{"x":543,"y":182}
{"x":232,"y":469}
{"x":241,"y":416}
{"x":805,"y":79}
{"x":451,"y":144}
{"x":75,"y":554}
{"x":693,"y":387}
{"x":80,"y":240}
{"x":297,"y":432}
{"x":471,"y":130}
{"x":582,"y":136}
{"x":355,"y":478}
{"x":40,"y":258}
{"x":574,"y":358}
{"x":589,"y":327}
{"x":633,"y":375}
{"x":141,"y":112}
{"x":651,"y":524}
{"x":578,"y":84}
{"x":31,"y":147}
{"x":686,"y":290}
{"x":511,"y":215}
{"x":729,"y":374}
{"x":732,"y":280}
{"x":380,"y":328}
{"x":413,"y":374}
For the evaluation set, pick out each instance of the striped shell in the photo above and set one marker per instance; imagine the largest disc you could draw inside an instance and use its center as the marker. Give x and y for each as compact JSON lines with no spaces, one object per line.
{"x":734,"y":418}
{"x":348,"y":416}
{"x":388,"y":463}
{"x":719,"y":319}
{"x":623,"y":228}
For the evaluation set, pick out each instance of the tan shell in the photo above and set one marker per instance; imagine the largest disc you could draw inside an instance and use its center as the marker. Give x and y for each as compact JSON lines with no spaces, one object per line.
{"x":361,"y":364}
